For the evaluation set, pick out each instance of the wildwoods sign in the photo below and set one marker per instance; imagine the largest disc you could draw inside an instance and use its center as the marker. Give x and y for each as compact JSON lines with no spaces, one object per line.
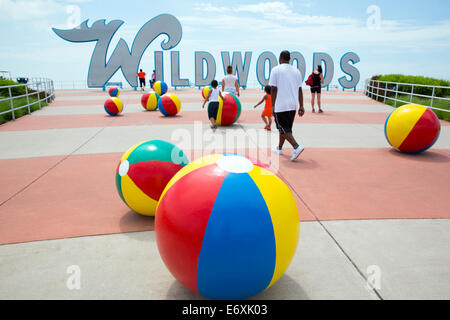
{"x":100,"y":70}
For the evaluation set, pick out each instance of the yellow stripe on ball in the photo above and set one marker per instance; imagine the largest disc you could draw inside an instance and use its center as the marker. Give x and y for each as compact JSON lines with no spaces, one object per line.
{"x":284,"y":214}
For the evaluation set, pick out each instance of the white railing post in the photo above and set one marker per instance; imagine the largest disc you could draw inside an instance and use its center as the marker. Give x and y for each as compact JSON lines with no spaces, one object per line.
{"x":432,"y":98}
{"x":12,"y":104}
{"x":28,"y":99}
{"x":45,"y":91}
{"x":412,"y":92}
{"x":38,"y":94}
{"x":396,"y":95}
{"x":385,"y":93}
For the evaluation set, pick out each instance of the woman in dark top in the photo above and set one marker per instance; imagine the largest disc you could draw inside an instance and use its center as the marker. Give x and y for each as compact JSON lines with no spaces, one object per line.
{"x":316,"y":87}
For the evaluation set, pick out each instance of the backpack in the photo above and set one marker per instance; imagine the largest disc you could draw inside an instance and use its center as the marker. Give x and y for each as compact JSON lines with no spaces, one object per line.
{"x":310,"y":80}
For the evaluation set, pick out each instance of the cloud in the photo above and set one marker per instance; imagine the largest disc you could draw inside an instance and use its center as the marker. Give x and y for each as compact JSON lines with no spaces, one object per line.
{"x":21,"y":10}
{"x":270,"y":23}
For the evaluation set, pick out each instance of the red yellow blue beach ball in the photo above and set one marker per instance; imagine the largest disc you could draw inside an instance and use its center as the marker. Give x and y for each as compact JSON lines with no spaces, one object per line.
{"x":149,"y":101}
{"x":229,"y":110}
{"x":114,"y":92}
{"x":412,"y":128}
{"x":205,"y":91}
{"x":160,"y":87}
{"x":113,"y":106}
{"x":226,"y":228}
{"x":144,"y":171}
{"x":169,"y":105}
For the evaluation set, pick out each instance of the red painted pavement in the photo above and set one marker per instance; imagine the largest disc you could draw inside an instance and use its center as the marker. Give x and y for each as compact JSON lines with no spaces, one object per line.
{"x":78,"y":197}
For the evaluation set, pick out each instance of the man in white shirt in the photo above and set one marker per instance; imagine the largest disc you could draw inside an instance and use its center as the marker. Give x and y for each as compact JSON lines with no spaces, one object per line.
{"x":230,"y":82}
{"x":287,"y":95}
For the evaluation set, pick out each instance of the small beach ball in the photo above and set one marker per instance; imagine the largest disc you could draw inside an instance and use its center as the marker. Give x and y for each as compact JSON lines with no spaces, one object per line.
{"x":144,"y":171}
{"x":113,"y":106}
{"x":227,"y":228}
{"x":169,"y":104}
{"x":205,"y":91}
{"x":229,"y":110}
{"x":412,"y":128}
{"x":114,"y":92}
{"x":149,"y":101}
{"x":160,"y":87}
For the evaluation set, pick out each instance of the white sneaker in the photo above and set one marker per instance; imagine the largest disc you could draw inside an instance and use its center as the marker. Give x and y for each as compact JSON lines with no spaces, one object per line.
{"x":278,"y":151}
{"x":296,"y":152}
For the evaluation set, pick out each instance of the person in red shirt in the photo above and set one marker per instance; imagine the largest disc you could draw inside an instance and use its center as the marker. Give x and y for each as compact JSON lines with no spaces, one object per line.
{"x":141,"y":76}
{"x":266,"y":115}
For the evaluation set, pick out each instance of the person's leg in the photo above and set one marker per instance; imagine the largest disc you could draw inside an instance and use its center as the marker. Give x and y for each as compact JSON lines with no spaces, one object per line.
{"x":265,"y":121}
{"x":281,"y":141}
{"x":318,"y":102}
{"x":270,"y":122}
{"x":290,"y":138}
{"x":312,"y":101}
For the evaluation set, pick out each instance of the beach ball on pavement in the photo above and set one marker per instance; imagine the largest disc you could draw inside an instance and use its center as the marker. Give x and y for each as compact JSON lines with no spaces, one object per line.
{"x":412,"y":128}
{"x":229,"y":110}
{"x":144,"y":171}
{"x":113,"y":106}
{"x":160,"y":87}
{"x":226,"y":228}
{"x":149,"y":101}
{"x":169,"y":104}
{"x":205,"y":91}
{"x":114,"y":92}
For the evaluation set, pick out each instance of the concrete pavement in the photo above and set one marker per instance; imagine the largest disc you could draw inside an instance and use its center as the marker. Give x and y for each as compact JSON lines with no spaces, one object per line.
{"x":369,"y":214}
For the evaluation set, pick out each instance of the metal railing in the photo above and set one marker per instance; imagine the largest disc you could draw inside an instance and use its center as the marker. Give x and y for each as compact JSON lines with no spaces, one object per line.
{"x":40,"y":88}
{"x":386,"y":90}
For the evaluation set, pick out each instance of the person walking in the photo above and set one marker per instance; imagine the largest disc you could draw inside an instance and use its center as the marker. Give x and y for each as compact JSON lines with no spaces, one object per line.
{"x":141,"y":76}
{"x":287,"y":95}
{"x":153,"y":79}
{"x":213,"y":106}
{"x":230,"y":82}
{"x":316,"y":87}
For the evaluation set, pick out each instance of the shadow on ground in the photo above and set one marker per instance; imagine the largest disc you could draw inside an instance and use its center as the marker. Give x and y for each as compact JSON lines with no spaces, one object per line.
{"x":285,"y":288}
{"x":427,"y":156}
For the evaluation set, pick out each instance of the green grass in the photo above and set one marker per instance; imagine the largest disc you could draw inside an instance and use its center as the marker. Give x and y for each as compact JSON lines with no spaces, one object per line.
{"x":439,"y":92}
{"x":5,"y":105}
{"x":425,"y":102}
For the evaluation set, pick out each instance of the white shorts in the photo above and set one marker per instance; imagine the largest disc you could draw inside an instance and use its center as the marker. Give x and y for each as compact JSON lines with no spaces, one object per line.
{"x":230,"y":90}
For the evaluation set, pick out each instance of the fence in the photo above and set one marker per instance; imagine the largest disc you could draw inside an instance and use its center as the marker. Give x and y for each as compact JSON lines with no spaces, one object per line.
{"x":40,"y":88}
{"x":385,"y":90}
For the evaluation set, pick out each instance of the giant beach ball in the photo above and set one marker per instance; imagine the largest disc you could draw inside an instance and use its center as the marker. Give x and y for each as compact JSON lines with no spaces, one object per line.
{"x":144,"y":171}
{"x":149,"y":101}
{"x":169,"y":104}
{"x":229,"y":109}
{"x":160,"y":87}
{"x":226,"y":227}
{"x":412,"y":128}
{"x":113,"y":106}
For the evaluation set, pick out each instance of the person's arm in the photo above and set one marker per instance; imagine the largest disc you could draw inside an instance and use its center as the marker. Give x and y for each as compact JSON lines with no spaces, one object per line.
{"x":236,"y":84}
{"x":321,"y":78}
{"x":262,"y":100}
{"x":301,"y":110}
{"x":273,"y":95}
{"x":221,"y":96}
{"x":223,"y":85}
{"x":206,"y":99}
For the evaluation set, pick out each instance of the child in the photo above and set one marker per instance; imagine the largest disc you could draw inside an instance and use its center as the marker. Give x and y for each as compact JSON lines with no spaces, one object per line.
{"x":213,"y":106}
{"x":267,"y":113}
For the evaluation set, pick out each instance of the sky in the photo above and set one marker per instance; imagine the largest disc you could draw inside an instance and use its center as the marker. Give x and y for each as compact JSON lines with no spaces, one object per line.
{"x":404,"y":36}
